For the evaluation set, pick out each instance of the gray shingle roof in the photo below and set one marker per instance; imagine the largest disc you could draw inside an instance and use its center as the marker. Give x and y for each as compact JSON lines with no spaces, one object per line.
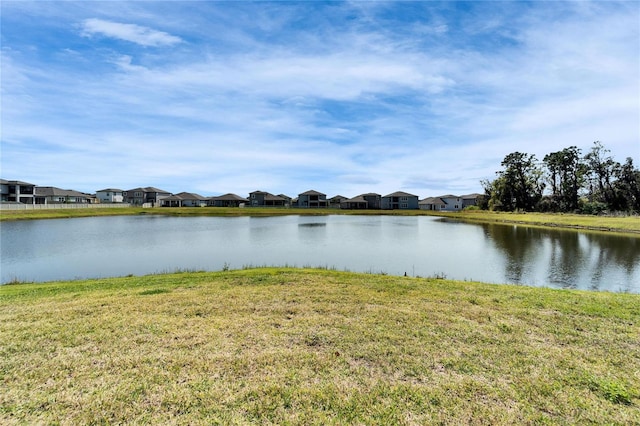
{"x":312,"y":192}
{"x":228,"y":197}
{"x":48,"y":191}
{"x":400,"y":194}
{"x":432,"y":200}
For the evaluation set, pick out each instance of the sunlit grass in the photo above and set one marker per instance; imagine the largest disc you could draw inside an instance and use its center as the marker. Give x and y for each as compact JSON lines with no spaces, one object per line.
{"x":599,"y":223}
{"x":287,"y":346}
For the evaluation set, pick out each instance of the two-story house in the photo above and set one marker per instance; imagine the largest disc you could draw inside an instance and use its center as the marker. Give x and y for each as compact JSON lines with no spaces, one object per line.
{"x":265,"y":199}
{"x":336,"y":201}
{"x":147,"y":195}
{"x":370,"y":201}
{"x":110,"y":195}
{"x":312,"y":199}
{"x":453,"y":203}
{"x":474,"y":199}
{"x":399,"y":201}
{"x":17,"y":191}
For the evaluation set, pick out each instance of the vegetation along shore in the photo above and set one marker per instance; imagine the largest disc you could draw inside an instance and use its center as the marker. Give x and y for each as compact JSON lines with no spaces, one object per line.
{"x":306,"y":346}
{"x":622,"y":223}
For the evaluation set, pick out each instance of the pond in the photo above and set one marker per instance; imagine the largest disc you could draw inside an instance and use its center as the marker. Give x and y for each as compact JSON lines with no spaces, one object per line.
{"x":62,"y":249}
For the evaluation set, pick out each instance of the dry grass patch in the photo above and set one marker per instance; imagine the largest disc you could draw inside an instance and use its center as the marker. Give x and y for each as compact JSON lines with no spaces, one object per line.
{"x":284,"y":346}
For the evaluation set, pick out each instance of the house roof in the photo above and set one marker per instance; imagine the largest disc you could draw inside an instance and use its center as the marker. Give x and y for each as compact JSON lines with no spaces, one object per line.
{"x":173,"y":198}
{"x":358,"y":199}
{"x":371,"y":194}
{"x":312,"y":192}
{"x":152,"y":189}
{"x":110,"y":190}
{"x":432,"y":200}
{"x":15,"y":182}
{"x":272,"y":197}
{"x":185,"y":196}
{"x":471,"y":196}
{"x":400,"y":194}
{"x":228,"y":197}
{"x":269,"y":196}
{"x":148,"y":189}
{"x":449,"y":196}
{"x":191,"y":196}
{"x":49,"y":191}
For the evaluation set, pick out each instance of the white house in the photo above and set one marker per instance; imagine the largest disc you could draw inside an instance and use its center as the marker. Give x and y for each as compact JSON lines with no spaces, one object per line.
{"x":110,"y":195}
{"x":452,"y":203}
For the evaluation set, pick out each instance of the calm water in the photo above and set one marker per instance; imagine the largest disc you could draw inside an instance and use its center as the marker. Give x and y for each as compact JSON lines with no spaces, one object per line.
{"x":418,"y":246}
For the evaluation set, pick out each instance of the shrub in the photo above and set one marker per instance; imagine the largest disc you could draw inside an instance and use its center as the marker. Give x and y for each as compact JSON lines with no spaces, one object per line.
{"x":611,"y":390}
{"x":593,"y":207}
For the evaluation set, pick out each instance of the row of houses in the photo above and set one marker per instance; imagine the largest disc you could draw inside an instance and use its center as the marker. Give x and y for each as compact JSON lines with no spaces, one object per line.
{"x":309,"y":199}
{"x":26,"y":193}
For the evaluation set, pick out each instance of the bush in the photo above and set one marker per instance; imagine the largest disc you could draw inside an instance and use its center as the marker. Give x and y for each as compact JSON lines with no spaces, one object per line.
{"x":592,"y":207}
{"x":548,"y":204}
{"x":611,"y":390}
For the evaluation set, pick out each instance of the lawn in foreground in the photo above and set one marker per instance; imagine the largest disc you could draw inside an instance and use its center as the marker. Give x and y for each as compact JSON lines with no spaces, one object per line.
{"x":289,"y":346}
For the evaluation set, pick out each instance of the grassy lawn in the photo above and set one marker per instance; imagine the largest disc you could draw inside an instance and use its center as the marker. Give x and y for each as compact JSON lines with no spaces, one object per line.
{"x":297,"y":346}
{"x":629,"y":224}
{"x":601,"y":223}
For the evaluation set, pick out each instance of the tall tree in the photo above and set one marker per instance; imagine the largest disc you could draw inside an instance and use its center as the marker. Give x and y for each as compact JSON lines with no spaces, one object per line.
{"x":519,"y":186}
{"x":566,"y":172}
{"x":626,"y":188}
{"x":601,"y":171}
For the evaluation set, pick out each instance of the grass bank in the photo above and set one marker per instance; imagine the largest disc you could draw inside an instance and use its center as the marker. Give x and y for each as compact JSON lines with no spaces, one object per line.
{"x":298,"y":346}
{"x":628,"y":224}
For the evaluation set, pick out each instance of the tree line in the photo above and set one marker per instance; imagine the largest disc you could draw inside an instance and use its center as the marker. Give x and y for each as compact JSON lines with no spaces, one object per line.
{"x":565,"y":181}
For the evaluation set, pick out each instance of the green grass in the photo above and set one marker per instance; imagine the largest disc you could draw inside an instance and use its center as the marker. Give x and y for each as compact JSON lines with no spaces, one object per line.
{"x":578,"y":221}
{"x":301,"y":346}
{"x":629,"y":224}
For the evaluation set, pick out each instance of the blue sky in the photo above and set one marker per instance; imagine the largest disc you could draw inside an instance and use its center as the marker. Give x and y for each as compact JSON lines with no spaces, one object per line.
{"x":340,"y":97}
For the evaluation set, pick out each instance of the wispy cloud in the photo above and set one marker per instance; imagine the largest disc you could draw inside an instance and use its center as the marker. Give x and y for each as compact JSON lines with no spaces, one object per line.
{"x":129,"y":32}
{"x":339,"y":97}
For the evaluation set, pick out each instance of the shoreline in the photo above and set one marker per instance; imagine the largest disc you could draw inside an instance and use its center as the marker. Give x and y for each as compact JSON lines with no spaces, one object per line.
{"x":618,"y":224}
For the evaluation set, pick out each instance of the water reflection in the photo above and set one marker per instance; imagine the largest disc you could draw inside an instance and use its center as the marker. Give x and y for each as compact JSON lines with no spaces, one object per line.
{"x":565,"y":258}
{"x":418,"y":246}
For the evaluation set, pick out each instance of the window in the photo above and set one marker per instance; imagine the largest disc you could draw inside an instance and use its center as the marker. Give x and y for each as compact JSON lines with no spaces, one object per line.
{"x":404,"y":198}
{"x":404,"y":206}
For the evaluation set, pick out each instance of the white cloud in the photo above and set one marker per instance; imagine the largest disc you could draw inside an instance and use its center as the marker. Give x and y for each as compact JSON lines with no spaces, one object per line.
{"x":344,"y":109}
{"x":129,"y":32}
